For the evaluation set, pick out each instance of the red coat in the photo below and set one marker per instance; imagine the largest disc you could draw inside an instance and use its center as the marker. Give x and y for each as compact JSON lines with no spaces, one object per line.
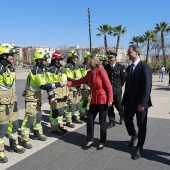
{"x":101,"y":89}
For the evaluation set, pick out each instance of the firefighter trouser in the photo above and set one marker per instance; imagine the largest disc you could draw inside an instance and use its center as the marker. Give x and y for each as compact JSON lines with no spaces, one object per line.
{"x":8,"y":123}
{"x":73,"y":107}
{"x":33,"y":118}
{"x":85,"y":102}
{"x":56,"y":113}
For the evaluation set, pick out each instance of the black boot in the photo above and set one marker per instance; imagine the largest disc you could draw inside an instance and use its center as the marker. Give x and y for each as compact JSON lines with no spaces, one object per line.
{"x":58,"y":132}
{"x":37,"y":136}
{"x":75,"y":120}
{"x":63,"y":130}
{"x":3,"y":158}
{"x":70,"y":125}
{"x":14,"y":147}
{"x":27,"y":144}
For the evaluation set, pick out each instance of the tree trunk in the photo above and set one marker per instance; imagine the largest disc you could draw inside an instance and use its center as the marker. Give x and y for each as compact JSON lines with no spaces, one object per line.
{"x":147,"y":54}
{"x":105,"y":43}
{"x":163,"y":49}
{"x":117,"y":45}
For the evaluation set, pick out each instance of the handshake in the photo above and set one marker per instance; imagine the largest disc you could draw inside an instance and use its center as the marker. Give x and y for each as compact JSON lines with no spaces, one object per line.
{"x":62,"y":84}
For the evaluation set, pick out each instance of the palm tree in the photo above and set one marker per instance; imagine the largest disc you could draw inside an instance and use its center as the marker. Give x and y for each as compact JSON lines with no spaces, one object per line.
{"x":118,"y":31}
{"x":104,"y":30}
{"x":136,"y":40}
{"x":149,"y":36}
{"x":162,"y":27}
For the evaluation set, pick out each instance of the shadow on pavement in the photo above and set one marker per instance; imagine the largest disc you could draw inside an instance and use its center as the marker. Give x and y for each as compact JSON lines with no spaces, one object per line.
{"x":163,"y":88}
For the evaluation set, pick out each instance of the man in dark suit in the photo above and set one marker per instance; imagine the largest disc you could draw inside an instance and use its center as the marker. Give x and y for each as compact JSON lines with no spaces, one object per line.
{"x":136,"y":98}
{"x":116,"y":74}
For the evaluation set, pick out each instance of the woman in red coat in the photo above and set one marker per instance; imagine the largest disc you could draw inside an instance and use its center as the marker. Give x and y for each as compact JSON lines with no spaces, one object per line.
{"x":101,"y":99}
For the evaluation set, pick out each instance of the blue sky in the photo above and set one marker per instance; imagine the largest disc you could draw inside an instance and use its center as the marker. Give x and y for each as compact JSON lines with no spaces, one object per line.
{"x":61,"y":23}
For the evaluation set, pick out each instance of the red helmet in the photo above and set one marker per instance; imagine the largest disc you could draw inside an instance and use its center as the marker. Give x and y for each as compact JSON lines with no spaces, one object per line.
{"x":57,"y":55}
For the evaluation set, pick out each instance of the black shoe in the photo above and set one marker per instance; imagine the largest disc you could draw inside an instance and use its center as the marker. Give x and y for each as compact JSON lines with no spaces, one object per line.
{"x":17,"y":149}
{"x":133,"y":140}
{"x":59,"y":133}
{"x":3,"y":158}
{"x":27,"y":144}
{"x":110,"y":125}
{"x":137,"y":154}
{"x":86,"y":147}
{"x":63,"y":130}
{"x":121,"y":121}
{"x":70,"y":125}
{"x":78,"y":121}
{"x":100,"y":147}
{"x":40,"y":137}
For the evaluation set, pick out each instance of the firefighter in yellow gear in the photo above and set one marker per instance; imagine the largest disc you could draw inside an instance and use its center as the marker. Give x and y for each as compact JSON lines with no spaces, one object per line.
{"x":73,"y":108}
{"x":104,"y":60}
{"x":85,"y":101}
{"x":8,"y":102}
{"x":35,"y":83}
{"x":56,"y":73}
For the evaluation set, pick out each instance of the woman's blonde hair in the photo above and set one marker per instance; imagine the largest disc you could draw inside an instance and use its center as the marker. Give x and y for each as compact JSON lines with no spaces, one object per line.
{"x":94,"y":62}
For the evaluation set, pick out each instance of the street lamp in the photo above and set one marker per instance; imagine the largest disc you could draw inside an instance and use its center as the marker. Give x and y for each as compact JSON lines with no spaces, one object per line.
{"x":88,"y":10}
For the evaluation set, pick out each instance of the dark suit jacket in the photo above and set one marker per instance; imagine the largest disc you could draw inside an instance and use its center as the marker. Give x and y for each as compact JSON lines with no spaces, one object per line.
{"x":99,"y":83}
{"x":138,"y":86}
{"x":116,"y":77}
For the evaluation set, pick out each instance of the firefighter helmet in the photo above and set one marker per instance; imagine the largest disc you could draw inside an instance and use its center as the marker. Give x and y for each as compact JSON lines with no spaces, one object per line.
{"x":57,"y":55}
{"x":86,"y":54}
{"x":41,"y":54}
{"x":7,"y":48}
{"x":72,"y":53}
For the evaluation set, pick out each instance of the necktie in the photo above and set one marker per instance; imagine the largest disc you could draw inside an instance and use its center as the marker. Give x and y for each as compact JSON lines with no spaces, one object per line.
{"x":131,"y":69}
{"x":112,"y":67}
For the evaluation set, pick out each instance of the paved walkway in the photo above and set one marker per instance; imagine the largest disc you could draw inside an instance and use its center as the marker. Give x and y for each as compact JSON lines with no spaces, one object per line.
{"x":65,"y":153}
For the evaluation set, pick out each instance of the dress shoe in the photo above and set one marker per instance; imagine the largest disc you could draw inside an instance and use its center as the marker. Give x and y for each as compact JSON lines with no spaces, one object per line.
{"x":101,"y":146}
{"x":86,"y":147}
{"x":110,"y":125}
{"x":121,"y":121}
{"x":137,"y":154}
{"x":133,"y":140}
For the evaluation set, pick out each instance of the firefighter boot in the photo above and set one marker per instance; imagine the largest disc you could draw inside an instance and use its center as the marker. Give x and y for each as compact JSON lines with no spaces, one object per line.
{"x":59,"y":132}
{"x":25,"y":141}
{"x":14,"y":147}
{"x":3,"y":158}
{"x":38,"y":136}
{"x":69,"y":122}
{"x":61,"y":128}
{"x":27,"y":144}
{"x":76,"y":119}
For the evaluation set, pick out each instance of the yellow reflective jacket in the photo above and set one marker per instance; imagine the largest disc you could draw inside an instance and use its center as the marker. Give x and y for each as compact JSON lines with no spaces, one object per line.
{"x":55,"y":74}
{"x":7,"y":83}
{"x":73,"y":73}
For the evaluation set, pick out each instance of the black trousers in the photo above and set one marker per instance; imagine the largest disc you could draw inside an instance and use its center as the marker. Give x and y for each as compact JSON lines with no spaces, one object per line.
{"x":93,"y":110}
{"x":117,"y":105}
{"x":141,"y":117}
{"x":169,"y":77}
